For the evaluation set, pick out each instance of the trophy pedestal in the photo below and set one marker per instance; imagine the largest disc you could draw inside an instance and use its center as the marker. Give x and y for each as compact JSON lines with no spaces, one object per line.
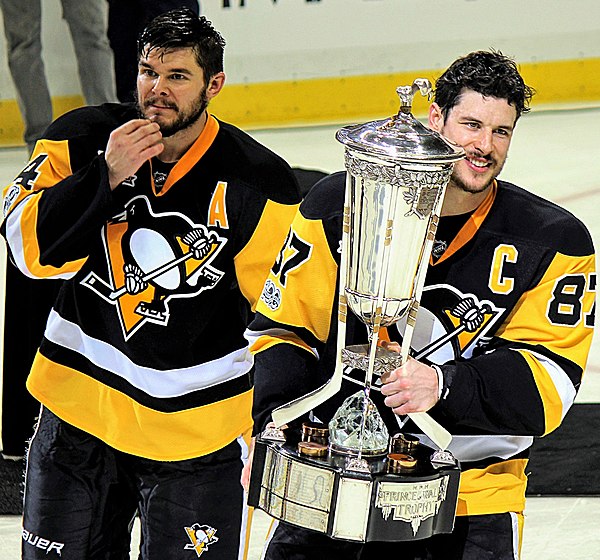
{"x":323,"y":494}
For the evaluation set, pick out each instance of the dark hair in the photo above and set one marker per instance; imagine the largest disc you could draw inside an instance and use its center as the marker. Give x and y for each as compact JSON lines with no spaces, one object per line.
{"x":489,"y":73}
{"x":182,"y":28}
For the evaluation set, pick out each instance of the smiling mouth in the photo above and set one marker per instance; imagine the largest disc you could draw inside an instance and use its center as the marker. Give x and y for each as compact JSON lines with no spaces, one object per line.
{"x":478,"y":163}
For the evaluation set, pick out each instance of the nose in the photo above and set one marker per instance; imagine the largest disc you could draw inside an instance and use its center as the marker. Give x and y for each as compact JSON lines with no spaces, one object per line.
{"x":159,"y":86}
{"x":484,"y":140}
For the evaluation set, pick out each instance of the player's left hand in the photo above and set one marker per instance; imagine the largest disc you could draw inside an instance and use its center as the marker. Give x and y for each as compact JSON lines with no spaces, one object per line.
{"x":413,"y":387}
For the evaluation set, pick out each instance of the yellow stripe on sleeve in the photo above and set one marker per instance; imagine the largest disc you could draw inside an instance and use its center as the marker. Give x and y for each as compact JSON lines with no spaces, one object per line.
{"x":253,"y":262}
{"x":495,"y":489}
{"x":551,"y":398}
{"x":308,"y":287}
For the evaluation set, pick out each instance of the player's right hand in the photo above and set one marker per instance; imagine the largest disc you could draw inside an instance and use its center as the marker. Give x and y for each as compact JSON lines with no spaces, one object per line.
{"x":129,"y":147}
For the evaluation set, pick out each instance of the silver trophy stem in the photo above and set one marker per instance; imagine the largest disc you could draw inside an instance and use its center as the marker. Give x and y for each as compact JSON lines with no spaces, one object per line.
{"x":383,"y":268}
{"x":396,"y":159}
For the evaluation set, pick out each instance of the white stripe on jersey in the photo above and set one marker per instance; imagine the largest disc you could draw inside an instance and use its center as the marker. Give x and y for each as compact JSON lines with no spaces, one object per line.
{"x":14,"y":237}
{"x":560,"y":379}
{"x":477,"y":448}
{"x":154,"y":382}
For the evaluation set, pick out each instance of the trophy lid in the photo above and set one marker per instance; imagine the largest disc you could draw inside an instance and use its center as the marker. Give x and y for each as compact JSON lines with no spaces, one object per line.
{"x":401,"y":137}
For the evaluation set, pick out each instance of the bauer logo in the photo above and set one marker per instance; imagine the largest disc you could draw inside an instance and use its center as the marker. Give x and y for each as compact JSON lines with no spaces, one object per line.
{"x":47,"y":545}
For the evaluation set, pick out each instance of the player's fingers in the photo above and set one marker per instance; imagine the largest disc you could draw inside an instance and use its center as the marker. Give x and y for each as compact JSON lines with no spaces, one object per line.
{"x":391,"y":346}
{"x":389,"y":376}
{"x":133,"y":125}
{"x":151,"y":151}
{"x":147,"y":129}
{"x":133,"y":132}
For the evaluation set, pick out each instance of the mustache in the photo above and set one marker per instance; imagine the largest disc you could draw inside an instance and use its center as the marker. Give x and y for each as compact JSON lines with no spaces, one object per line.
{"x":160,"y":103}
{"x":488,"y":158}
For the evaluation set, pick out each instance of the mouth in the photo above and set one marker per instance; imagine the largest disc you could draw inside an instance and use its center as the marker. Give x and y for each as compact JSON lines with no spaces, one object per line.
{"x":153,"y":105}
{"x":160,"y":107}
{"x":478,"y":164}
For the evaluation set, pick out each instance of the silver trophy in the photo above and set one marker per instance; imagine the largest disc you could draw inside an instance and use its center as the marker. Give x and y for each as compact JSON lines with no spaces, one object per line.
{"x":346,"y":479}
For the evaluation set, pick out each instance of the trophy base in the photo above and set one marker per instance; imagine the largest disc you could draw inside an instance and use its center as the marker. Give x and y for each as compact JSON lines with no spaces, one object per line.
{"x":325,"y":495}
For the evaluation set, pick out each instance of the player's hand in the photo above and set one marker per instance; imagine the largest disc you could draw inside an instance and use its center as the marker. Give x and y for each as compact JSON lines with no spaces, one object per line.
{"x":247,"y":470}
{"x":129,"y":147}
{"x":413,"y":387}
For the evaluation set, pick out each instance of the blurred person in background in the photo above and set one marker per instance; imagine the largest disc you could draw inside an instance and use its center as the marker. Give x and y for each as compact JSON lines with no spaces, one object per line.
{"x":25,"y":298}
{"x":126,"y":18}
{"x":23,"y":30}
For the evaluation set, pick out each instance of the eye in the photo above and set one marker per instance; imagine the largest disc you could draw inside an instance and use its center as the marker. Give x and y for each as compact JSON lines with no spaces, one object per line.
{"x":148,"y":72}
{"x":502,"y":132}
{"x":178,"y":77}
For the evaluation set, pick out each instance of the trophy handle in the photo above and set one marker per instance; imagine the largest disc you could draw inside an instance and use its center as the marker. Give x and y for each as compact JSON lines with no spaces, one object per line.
{"x":302,"y":405}
{"x":432,"y":429}
{"x":407,"y":93}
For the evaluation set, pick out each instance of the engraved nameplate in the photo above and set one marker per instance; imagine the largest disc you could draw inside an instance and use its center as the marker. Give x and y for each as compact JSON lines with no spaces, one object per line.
{"x":412,"y":503}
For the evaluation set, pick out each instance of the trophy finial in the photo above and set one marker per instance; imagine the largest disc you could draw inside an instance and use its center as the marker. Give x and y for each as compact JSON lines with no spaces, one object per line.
{"x":406,"y":93}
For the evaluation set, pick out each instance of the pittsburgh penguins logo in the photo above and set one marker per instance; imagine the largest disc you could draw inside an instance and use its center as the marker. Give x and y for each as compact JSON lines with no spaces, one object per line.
{"x":449,"y":325}
{"x":153,"y":258}
{"x":202,"y":536}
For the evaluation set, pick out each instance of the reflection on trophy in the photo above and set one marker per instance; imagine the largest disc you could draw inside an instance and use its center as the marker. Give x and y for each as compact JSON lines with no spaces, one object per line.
{"x":349,"y":479}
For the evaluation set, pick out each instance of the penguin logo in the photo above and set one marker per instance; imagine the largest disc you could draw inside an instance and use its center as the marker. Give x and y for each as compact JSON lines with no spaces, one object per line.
{"x":153,"y":258}
{"x":202,"y":536}
{"x":458,"y":327}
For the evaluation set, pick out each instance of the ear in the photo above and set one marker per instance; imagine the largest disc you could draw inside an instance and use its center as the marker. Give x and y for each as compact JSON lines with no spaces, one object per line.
{"x":215,"y":85}
{"x":436,"y":118}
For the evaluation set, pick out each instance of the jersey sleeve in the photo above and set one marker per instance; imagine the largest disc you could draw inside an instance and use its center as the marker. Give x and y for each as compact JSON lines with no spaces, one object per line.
{"x":527,"y":379}
{"x":294,"y":310}
{"x":253,"y":262}
{"x":52,"y":208}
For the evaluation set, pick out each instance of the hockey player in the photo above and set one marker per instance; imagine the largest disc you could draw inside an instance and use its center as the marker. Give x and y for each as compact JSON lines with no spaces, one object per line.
{"x":521,"y":264}
{"x":163,"y":222}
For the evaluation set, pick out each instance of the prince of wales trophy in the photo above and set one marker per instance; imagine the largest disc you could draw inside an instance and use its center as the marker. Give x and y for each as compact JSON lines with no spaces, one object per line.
{"x":350,"y":479}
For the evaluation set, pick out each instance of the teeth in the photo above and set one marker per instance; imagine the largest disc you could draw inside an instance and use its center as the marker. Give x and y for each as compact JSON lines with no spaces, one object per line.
{"x":478,"y":163}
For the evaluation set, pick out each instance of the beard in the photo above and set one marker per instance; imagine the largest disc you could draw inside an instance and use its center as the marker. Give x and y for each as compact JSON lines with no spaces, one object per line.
{"x":183,"y":120}
{"x":461,"y":181}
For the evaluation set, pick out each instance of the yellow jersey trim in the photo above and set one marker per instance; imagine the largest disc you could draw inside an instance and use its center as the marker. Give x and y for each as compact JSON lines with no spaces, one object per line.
{"x":498,"y":488}
{"x":160,"y":436}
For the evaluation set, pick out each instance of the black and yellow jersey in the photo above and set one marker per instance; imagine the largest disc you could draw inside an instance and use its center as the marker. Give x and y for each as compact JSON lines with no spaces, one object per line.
{"x":145,"y":345}
{"x":507,"y":308}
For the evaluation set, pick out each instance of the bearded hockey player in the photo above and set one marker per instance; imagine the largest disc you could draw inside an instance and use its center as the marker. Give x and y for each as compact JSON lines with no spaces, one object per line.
{"x":163,"y":222}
